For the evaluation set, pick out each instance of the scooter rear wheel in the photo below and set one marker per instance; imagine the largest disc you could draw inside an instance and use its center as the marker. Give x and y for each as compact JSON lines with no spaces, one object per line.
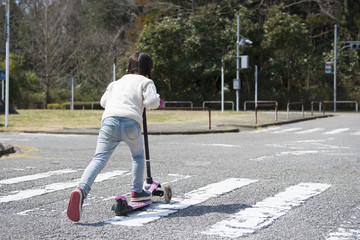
{"x":167,"y":194}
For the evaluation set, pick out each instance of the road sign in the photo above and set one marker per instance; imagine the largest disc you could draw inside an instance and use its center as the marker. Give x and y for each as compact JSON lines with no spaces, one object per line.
{"x":328,"y":67}
{"x":2,"y":75}
{"x":236,"y":84}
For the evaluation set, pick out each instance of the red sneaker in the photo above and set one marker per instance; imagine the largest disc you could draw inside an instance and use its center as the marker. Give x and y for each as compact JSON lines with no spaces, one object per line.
{"x":75,"y":205}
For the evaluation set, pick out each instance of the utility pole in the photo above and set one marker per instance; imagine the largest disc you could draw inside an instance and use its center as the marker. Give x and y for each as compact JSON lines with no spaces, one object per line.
{"x":335,"y":59}
{"x":222,"y":84}
{"x":7,"y":22}
{"x":72,"y":93}
{"x":256,"y":84}
{"x":238,"y":62}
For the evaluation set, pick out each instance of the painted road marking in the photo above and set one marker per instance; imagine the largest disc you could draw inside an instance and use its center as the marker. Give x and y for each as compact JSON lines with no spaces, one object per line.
{"x":158,"y":210}
{"x":264,"y":213}
{"x":287,"y":130}
{"x":29,"y":193}
{"x":266,"y":130}
{"x":310,"y":130}
{"x":336,"y":131}
{"x":349,"y":230}
{"x":289,"y":153}
{"x":356,"y":133}
{"x":35,"y":176}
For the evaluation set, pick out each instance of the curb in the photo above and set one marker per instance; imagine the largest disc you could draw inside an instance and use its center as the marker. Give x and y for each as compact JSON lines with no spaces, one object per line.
{"x":234,"y":128}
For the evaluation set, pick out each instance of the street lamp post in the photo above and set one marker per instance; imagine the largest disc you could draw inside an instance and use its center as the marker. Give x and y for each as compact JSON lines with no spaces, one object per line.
{"x":239,"y":42}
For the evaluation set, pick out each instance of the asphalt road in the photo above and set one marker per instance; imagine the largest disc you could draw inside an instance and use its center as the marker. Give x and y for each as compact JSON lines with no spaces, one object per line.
{"x":295,"y":181}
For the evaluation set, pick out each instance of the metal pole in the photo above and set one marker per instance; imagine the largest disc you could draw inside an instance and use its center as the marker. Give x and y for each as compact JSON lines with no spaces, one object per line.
{"x":222,"y":84}
{"x":238,"y":61}
{"x":7,"y":62}
{"x":256,"y":84}
{"x":72,"y":93}
{"x":335,"y":60}
{"x":114,"y":68}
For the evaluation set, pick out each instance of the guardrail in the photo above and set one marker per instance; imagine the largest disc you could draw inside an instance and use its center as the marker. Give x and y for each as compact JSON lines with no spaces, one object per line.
{"x":356,"y":104}
{"x":191,"y":103}
{"x":312,"y":107}
{"x":294,"y":103}
{"x":266,"y":105}
{"x":189,"y":108}
{"x":275,"y":102}
{"x":232,"y":103}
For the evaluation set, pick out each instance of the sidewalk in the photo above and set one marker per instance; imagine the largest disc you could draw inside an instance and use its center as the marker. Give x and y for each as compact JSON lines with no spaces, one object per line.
{"x":245,"y":123}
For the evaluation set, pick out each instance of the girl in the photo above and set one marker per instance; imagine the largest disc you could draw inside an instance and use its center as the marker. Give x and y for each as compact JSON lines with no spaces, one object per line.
{"x":124,"y":102}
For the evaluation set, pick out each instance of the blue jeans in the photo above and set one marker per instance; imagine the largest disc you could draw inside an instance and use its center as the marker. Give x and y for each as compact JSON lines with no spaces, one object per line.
{"x":113,"y":131}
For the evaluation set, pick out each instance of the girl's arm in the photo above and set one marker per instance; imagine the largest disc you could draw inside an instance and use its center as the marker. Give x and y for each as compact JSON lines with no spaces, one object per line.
{"x":151,"y":98}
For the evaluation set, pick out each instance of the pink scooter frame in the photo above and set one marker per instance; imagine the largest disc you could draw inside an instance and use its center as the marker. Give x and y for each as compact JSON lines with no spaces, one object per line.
{"x":123,"y":206}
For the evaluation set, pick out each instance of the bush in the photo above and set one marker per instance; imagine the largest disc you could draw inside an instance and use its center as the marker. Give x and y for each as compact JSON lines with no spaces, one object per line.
{"x":82,"y":105}
{"x":53,"y":106}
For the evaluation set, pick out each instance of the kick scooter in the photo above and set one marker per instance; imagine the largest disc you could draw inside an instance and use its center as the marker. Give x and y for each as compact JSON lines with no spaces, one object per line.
{"x":122,"y":205}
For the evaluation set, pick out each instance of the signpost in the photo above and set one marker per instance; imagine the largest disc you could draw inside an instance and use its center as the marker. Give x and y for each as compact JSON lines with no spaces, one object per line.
{"x":222,"y":84}
{"x":7,"y":22}
{"x":2,"y":78}
{"x":328,"y":67}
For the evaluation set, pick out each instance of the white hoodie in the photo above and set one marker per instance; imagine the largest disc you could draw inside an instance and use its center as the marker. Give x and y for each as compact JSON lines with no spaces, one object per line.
{"x":128,"y":96}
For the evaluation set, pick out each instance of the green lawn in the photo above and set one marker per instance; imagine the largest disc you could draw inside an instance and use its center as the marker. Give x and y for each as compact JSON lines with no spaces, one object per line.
{"x":58,"y":119}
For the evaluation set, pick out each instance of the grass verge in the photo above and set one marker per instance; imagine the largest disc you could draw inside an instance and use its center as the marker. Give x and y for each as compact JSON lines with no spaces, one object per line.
{"x":59,"y":119}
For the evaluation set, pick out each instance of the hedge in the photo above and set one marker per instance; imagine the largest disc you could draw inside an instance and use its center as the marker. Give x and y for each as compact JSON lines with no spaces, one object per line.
{"x":53,"y":106}
{"x":82,"y":105}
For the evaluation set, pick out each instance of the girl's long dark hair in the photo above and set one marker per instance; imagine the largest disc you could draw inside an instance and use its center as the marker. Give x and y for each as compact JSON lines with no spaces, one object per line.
{"x":140,"y":63}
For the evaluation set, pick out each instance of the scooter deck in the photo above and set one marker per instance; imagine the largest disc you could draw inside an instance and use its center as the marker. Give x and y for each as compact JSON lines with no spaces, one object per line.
{"x":122,"y":206}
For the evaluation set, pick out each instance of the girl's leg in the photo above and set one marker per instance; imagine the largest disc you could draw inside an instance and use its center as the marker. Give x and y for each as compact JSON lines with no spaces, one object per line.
{"x":131,"y":134}
{"x":106,"y":144}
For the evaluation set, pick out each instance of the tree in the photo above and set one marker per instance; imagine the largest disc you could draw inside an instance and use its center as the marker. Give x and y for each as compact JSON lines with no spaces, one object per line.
{"x":286,"y":41}
{"x":188,"y":52}
{"x":24,"y":84}
{"x":47,"y":41}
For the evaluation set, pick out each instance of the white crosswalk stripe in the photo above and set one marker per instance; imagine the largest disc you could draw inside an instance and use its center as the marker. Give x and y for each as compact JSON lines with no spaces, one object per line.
{"x":349,"y":229}
{"x":299,"y":130}
{"x":287,"y":130}
{"x":266,"y":212}
{"x":310,"y":130}
{"x":35,"y":176}
{"x":243,"y":223}
{"x":336,"y":131}
{"x":157,"y":210}
{"x":29,"y":193}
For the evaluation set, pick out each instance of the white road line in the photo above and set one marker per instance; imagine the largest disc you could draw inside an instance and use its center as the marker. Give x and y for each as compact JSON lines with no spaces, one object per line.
{"x":35,"y":176}
{"x":266,"y":212}
{"x":29,"y":193}
{"x":158,"y":210}
{"x":266,"y":130}
{"x":287,"y":130}
{"x":356,"y":133}
{"x":349,"y":230}
{"x":343,"y":233}
{"x":336,"y":131}
{"x":310,"y":130}
{"x":289,"y":153}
